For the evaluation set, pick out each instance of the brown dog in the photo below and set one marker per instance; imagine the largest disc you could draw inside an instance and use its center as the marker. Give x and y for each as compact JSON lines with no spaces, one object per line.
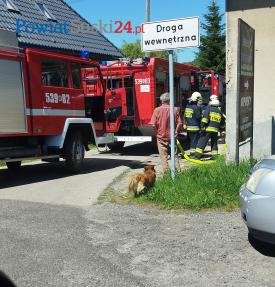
{"x":137,"y":183}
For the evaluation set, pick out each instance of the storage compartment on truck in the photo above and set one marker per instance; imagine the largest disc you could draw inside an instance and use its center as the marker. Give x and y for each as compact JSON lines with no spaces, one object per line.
{"x":12,"y":98}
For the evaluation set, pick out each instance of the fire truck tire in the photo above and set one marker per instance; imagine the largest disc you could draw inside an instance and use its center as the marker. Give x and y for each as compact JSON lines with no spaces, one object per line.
{"x":116,"y":147}
{"x":13,"y":166}
{"x":74,"y":152}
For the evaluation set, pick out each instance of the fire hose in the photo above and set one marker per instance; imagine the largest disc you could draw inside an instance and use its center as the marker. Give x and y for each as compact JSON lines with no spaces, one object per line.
{"x":192,"y":159}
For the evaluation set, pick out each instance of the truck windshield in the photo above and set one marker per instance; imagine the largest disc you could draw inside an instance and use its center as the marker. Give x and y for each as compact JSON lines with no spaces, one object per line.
{"x":54,"y":72}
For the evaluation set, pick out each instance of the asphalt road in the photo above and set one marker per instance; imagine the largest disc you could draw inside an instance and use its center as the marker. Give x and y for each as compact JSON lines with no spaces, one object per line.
{"x":50,"y":182}
{"x":53,"y":234}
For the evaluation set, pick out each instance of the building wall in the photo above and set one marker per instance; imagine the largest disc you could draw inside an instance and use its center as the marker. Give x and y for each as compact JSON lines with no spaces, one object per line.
{"x":262,"y":20}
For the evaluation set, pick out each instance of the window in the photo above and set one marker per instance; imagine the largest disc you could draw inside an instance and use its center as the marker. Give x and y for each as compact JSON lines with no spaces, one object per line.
{"x":54,"y":73}
{"x":46,"y":12}
{"x":76,"y":75}
{"x":10,"y":5}
{"x":114,"y":83}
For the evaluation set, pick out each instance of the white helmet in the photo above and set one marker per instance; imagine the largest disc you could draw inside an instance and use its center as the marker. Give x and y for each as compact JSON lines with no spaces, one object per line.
{"x":195,"y":97}
{"x":214,"y":97}
{"x":214,"y":102}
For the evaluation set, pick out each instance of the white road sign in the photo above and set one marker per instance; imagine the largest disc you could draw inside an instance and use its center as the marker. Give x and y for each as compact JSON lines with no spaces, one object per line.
{"x":171,"y":34}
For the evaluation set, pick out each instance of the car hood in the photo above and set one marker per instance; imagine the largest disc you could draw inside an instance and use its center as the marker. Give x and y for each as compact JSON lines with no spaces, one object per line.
{"x":264,"y":163}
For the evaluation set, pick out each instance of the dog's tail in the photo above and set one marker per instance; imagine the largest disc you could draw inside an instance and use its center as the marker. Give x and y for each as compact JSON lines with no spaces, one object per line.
{"x":140,"y":187}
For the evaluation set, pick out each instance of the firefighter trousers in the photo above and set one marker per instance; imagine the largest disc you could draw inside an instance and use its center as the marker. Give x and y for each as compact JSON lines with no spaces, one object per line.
{"x":194,"y":138}
{"x":203,"y":143}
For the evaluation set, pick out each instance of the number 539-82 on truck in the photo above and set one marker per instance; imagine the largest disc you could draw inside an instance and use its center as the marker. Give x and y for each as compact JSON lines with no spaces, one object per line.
{"x":44,"y":109}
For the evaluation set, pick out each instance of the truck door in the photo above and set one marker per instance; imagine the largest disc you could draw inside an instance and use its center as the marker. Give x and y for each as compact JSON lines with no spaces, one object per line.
{"x":114,"y":108}
{"x":54,"y":96}
{"x":94,"y":96}
{"x":145,"y":98}
{"x":130,"y":96}
{"x":13,"y":112}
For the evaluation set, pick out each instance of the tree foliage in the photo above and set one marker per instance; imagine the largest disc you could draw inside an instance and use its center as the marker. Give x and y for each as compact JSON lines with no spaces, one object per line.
{"x":133,"y":51}
{"x":211,"y":53}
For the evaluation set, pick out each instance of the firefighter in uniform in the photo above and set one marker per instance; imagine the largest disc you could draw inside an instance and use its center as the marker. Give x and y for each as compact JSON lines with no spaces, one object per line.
{"x":192,"y":121}
{"x":215,"y":97}
{"x":211,"y":123}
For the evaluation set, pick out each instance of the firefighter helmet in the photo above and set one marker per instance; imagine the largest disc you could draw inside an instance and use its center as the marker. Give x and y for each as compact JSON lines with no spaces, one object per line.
{"x":214,"y":97}
{"x":214,"y":102}
{"x":195,"y":97}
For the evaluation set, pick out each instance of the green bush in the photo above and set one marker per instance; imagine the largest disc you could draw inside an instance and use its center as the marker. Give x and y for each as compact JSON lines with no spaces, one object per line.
{"x":201,"y":187}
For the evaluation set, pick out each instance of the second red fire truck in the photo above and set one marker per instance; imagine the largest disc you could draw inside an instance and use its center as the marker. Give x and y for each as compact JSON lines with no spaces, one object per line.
{"x":133,"y":90}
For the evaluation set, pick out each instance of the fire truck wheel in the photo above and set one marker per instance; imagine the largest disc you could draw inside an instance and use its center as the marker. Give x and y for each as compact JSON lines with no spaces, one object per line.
{"x":117,"y":146}
{"x":13,"y":166}
{"x":74,"y":152}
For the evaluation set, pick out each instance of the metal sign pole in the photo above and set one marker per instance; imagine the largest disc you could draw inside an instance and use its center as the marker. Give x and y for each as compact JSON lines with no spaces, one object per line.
{"x":148,"y":18}
{"x":237,"y":156}
{"x":161,"y":36}
{"x":172,"y":115}
{"x":252,"y":132}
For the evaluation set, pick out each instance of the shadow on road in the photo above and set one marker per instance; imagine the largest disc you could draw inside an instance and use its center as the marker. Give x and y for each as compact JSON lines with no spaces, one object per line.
{"x":262,"y":247}
{"x":142,"y":149}
{"x":40,"y":172}
{"x":145,"y":149}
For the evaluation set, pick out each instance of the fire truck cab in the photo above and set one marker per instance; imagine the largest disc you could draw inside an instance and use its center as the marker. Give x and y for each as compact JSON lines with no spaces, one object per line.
{"x":44,"y":111}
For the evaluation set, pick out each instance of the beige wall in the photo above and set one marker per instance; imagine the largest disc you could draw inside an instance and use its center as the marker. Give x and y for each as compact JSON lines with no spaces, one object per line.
{"x":263,"y":21}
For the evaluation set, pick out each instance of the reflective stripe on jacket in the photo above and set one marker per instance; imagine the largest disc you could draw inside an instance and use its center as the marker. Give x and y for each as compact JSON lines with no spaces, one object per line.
{"x":212,"y":119}
{"x":192,"y":116}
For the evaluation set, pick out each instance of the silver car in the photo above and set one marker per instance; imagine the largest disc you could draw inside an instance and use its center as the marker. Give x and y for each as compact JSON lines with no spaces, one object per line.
{"x":257,"y":199}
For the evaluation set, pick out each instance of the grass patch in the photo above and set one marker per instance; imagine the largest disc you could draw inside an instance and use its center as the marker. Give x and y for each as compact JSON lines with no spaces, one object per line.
{"x":214,"y":186}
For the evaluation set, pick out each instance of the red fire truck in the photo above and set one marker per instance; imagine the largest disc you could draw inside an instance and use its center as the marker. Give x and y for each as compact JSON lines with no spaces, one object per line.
{"x":44,"y":109}
{"x":133,"y":91}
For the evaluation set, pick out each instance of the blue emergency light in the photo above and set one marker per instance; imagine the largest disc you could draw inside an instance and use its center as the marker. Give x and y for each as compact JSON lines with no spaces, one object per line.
{"x":85,"y":54}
